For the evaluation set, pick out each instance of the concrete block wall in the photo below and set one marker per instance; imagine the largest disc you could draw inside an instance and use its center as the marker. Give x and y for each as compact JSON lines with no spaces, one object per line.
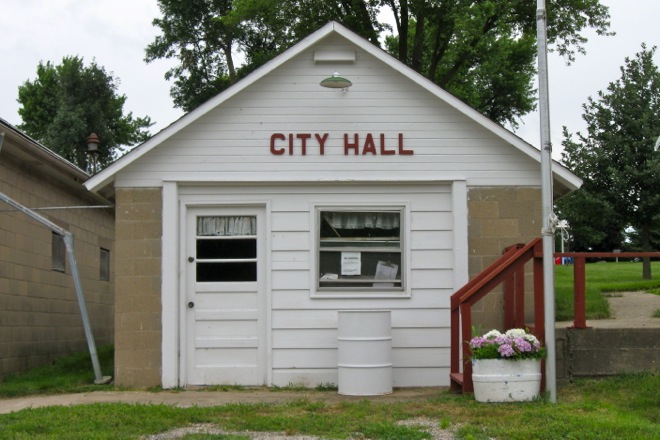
{"x":598,"y":352}
{"x":138,"y":289}
{"x":499,"y":217}
{"x":40,"y":316}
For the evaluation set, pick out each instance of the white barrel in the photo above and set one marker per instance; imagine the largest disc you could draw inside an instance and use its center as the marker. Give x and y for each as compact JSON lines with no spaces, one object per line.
{"x":365,"y":352}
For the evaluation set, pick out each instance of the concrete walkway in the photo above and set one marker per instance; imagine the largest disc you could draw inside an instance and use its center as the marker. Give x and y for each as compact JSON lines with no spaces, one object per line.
{"x":189,"y":398}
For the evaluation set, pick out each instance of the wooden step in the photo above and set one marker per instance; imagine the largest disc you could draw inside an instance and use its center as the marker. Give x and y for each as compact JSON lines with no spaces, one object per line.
{"x":456,"y":382}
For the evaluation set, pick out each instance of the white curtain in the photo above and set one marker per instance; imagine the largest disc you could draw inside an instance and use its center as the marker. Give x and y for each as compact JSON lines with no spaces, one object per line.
{"x":226,"y":226}
{"x":361,"y":220}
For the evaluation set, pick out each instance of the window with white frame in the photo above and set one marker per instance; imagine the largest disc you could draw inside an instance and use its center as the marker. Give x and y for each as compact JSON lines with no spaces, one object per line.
{"x":360,"y":249}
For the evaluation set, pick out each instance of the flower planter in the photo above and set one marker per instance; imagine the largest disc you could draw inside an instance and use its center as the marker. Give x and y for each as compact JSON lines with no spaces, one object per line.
{"x":506,"y":380}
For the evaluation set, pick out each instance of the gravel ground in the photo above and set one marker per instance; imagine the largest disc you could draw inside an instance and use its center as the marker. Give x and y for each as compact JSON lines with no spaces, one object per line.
{"x":428,"y":425}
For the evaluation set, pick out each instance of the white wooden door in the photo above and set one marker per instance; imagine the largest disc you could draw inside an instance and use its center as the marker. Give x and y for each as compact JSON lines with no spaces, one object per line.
{"x":224,"y":304}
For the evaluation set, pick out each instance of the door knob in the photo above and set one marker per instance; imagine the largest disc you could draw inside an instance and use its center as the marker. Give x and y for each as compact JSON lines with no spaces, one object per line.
{"x":191,"y":305}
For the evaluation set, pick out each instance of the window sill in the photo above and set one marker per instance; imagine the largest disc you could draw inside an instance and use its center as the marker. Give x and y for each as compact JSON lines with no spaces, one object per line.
{"x":360,"y":294}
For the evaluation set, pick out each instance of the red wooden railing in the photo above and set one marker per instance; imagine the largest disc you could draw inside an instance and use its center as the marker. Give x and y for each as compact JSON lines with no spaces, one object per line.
{"x":579,"y":279}
{"x":509,"y":270}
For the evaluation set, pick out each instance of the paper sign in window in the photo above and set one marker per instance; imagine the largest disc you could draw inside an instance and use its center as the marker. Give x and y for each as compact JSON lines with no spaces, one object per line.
{"x":351,"y":263}
{"x":385,"y":271}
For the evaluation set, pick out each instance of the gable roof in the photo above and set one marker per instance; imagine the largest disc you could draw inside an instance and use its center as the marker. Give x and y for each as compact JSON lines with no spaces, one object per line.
{"x":567,"y":181}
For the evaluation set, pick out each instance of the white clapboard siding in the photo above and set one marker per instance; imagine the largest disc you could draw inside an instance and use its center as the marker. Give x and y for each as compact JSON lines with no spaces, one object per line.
{"x":305,"y":329}
{"x":232,"y":141}
{"x":300,"y":299}
{"x":303,"y":325}
{"x":420,"y":377}
{"x":420,"y":357}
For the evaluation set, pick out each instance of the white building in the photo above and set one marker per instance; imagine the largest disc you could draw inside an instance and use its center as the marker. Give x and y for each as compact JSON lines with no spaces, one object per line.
{"x":247,"y":225}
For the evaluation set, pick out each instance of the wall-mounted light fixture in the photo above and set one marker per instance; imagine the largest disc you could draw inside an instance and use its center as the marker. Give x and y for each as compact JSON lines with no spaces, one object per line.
{"x":336,"y":82}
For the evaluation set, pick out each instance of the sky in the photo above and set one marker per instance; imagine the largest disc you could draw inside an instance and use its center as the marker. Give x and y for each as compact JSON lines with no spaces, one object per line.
{"x":115,"y":34}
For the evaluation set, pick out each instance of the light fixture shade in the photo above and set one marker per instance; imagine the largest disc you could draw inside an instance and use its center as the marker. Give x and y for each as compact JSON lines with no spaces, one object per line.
{"x":336,"y":82}
{"x":93,"y":143}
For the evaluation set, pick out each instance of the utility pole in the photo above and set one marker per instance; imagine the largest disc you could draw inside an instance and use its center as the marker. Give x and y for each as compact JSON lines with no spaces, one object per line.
{"x":549,"y":218}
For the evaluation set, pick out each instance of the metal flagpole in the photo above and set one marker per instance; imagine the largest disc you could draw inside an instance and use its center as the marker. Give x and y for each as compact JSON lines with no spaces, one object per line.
{"x":549,"y":218}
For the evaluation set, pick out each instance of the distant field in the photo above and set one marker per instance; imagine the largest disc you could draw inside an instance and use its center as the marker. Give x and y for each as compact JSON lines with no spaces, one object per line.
{"x":601,"y":277}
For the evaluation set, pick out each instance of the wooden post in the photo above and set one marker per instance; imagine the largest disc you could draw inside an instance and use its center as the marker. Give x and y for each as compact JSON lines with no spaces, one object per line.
{"x":466,"y":324}
{"x":579,"y":293}
{"x":509,"y":302}
{"x":519,"y":292}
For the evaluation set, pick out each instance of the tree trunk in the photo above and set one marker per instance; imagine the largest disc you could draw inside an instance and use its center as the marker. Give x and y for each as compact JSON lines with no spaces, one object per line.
{"x":402,"y":25}
{"x":231,"y":69}
{"x":418,"y":46}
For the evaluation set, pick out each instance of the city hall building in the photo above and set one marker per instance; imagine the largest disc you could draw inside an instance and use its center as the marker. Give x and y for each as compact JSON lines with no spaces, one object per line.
{"x":332,"y":179}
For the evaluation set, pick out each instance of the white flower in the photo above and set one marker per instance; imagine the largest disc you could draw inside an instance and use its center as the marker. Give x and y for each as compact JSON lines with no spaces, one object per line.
{"x":531,"y":339}
{"x":516,"y":333}
{"x":492,"y":334}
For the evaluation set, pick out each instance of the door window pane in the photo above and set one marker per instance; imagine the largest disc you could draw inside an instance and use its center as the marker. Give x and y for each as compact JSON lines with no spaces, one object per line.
{"x":226,"y":272}
{"x":226,"y":249}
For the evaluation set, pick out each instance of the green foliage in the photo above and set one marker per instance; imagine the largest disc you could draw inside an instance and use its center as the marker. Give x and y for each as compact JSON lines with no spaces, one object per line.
{"x":68,"y":102}
{"x":483,"y":52}
{"x":594,"y":223}
{"x":70,"y":374}
{"x":616,"y":160}
{"x":390,"y":431}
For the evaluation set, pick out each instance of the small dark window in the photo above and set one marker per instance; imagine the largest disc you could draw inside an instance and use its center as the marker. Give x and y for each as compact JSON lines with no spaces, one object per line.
{"x":104,"y":265}
{"x":226,"y":249}
{"x":58,"y":253}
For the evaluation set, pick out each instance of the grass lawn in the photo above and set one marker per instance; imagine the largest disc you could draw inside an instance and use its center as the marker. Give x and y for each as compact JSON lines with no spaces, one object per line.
{"x":624,"y":407}
{"x":601,"y":278}
{"x":617,"y":408}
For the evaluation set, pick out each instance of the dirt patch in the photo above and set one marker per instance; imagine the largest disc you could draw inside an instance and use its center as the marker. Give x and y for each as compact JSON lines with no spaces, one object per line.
{"x":428,"y":425}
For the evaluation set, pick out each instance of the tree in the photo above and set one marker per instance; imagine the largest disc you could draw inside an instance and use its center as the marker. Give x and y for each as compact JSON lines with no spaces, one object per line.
{"x":68,"y":102}
{"x":483,"y":52}
{"x":616,"y":158}
{"x":206,"y":35}
{"x":198,"y":33}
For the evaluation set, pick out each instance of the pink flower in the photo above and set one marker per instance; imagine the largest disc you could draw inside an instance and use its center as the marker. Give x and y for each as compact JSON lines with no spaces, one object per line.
{"x":506,"y":350}
{"x":522,"y":345}
{"x":477,"y":342}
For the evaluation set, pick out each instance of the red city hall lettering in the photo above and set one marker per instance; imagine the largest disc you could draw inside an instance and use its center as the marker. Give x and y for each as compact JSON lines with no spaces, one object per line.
{"x":298,"y":143}
{"x":292,"y":144}
{"x":369,"y":146}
